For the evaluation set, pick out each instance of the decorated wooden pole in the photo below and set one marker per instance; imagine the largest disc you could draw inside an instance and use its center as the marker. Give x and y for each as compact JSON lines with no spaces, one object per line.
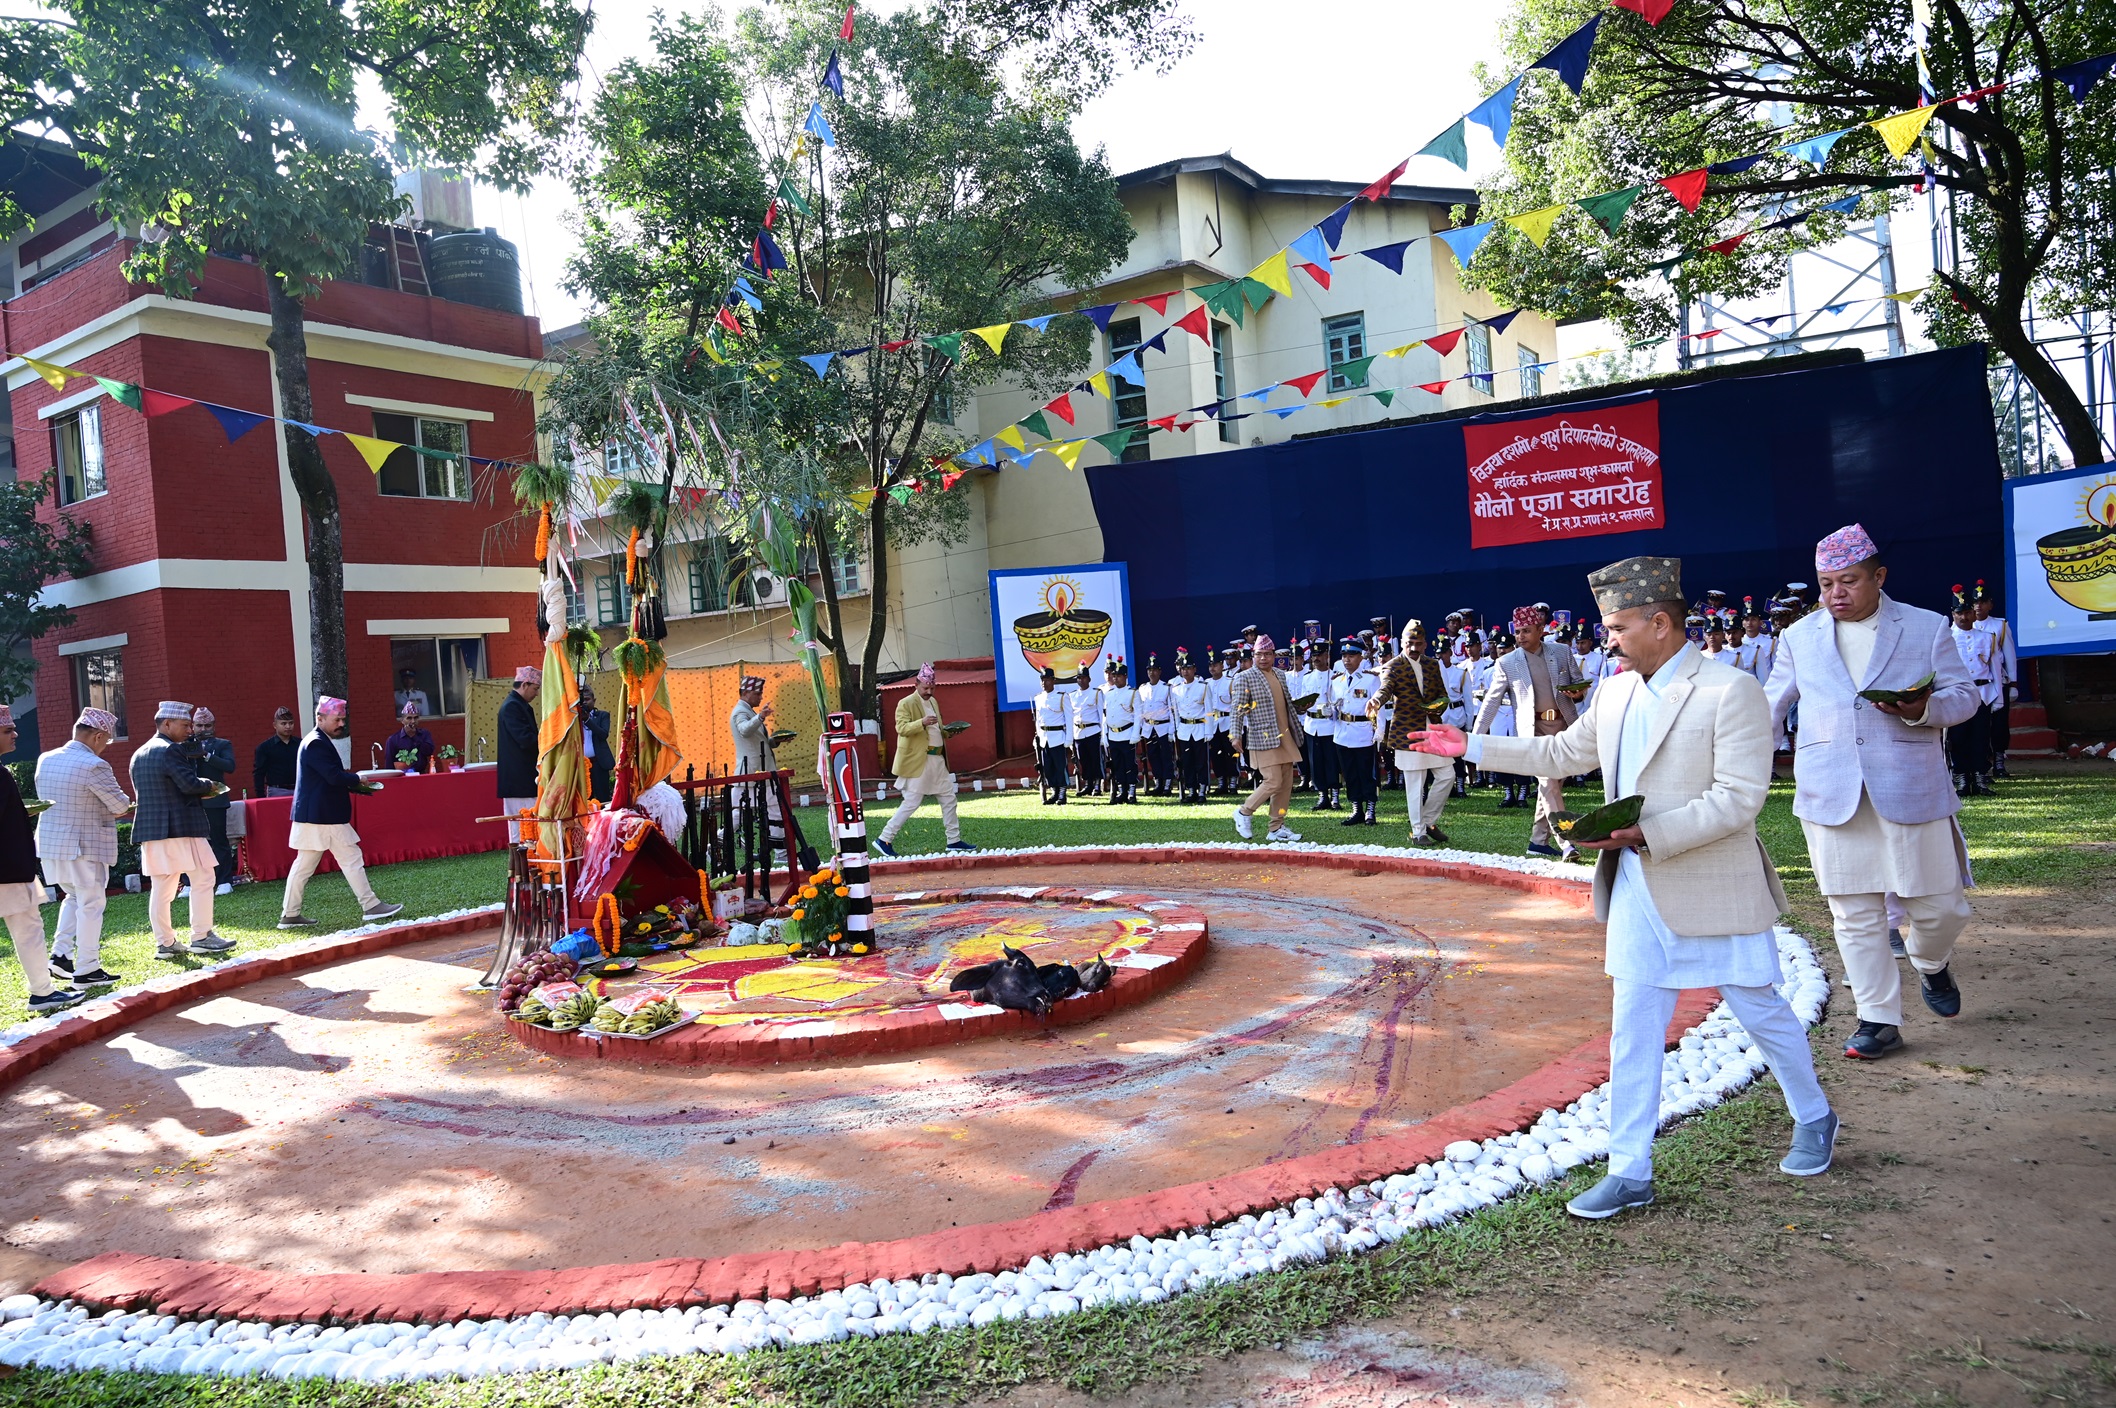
{"x":849,"y":824}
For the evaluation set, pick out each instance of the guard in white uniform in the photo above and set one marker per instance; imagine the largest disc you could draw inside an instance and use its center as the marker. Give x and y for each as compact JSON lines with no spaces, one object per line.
{"x":1193,"y":706}
{"x":1987,"y":619}
{"x":1219,"y":704}
{"x":1086,"y":703}
{"x":1354,"y":734}
{"x":1320,"y":725}
{"x":1969,"y":742}
{"x":1157,"y":727}
{"x":1054,"y":739}
{"x":1120,"y":732}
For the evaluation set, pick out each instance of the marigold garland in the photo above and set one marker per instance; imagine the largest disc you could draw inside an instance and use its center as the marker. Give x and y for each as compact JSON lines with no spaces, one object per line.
{"x":608,"y":933}
{"x":632,"y":559}
{"x":543,"y":533}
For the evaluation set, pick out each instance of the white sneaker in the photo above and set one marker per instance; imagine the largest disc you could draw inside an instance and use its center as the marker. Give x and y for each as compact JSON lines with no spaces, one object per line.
{"x":1242,"y":825}
{"x":224,"y":888}
{"x":183,"y":892}
{"x":1280,"y":833}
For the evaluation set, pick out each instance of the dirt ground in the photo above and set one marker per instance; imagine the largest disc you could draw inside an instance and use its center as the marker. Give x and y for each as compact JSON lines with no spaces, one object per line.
{"x":1961,"y":1252}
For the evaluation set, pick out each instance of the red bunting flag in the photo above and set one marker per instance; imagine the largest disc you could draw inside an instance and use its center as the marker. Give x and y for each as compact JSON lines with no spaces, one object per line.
{"x":771,"y":215}
{"x":1654,"y":10}
{"x":1198,"y":323}
{"x":726,"y":318}
{"x":1708,"y":332}
{"x":1317,"y":273}
{"x":1156,"y":301}
{"x":938,"y":460}
{"x":1062,"y":408}
{"x":1727,"y":245}
{"x":1305,"y":384}
{"x":1381,"y":188}
{"x":845,"y":29}
{"x":1445,"y":342}
{"x":161,"y":403}
{"x":1164,"y":422}
{"x":896,"y":346}
{"x":1436,"y":387}
{"x":948,"y":478}
{"x":1688,"y":188}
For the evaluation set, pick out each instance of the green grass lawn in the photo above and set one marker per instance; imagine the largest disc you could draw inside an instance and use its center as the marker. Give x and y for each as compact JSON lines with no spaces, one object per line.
{"x":2039,"y":831}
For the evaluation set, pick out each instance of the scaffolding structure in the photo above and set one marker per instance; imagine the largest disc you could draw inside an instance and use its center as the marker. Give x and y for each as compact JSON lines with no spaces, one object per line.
{"x":1839,"y":295}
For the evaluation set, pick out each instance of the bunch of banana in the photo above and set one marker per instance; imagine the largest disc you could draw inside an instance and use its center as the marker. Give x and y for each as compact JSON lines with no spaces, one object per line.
{"x":651,"y":1018}
{"x":533,"y":1010}
{"x":576,"y":1011}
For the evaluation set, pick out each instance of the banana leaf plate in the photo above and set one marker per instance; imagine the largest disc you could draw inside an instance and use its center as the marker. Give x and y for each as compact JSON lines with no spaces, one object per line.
{"x":1900,"y":696}
{"x":1601,"y":823}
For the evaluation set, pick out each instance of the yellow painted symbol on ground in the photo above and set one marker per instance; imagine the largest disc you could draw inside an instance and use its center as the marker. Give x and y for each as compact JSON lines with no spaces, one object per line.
{"x":809,"y":982}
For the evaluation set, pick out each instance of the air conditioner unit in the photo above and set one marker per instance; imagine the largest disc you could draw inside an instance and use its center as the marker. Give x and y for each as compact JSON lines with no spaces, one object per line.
{"x":766,"y":588}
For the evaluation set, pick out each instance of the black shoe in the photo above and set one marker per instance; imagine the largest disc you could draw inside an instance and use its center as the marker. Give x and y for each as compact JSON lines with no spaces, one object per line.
{"x":1872,"y":1041}
{"x":1437,"y":834}
{"x":1538,"y":849}
{"x":1895,"y":944}
{"x":1372,"y":820}
{"x":57,"y":1000}
{"x":1982,"y":786}
{"x":1355,"y":819}
{"x":62,"y":963}
{"x":102,"y":978}
{"x":1941,"y":995}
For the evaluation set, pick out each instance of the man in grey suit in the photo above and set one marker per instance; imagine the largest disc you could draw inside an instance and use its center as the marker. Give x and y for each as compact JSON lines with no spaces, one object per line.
{"x":1688,"y":891}
{"x":1534,"y":675}
{"x":1872,"y":789}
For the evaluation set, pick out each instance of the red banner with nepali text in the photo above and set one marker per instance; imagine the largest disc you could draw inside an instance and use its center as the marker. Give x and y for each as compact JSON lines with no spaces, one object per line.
{"x":1570,"y":475}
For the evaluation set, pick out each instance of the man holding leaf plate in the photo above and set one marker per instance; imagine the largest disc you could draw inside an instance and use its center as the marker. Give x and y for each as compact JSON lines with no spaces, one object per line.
{"x":1684,"y":745}
{"x":1878,"y":684}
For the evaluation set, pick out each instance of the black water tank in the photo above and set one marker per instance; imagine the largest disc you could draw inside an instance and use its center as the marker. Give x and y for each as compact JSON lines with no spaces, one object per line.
{"x":478,"y":267}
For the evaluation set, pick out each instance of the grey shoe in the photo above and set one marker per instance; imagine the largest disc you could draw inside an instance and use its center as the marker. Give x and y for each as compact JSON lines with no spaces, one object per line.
{"x":381,"y":911}
{"x":1813,"y":1145}
{"x":1895,"y":944}
{"x":212,"y":943}
{"x":296,"y":921}
{"x":169,"y":954}
{"x":1610,"y":1197}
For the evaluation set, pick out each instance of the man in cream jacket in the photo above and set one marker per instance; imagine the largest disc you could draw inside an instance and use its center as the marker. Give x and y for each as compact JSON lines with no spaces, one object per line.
{"x":1688,"y":893}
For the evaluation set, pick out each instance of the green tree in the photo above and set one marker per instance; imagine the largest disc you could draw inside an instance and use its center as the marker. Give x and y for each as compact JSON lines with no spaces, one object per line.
{"x":231,"y":128}
{"x":2030,"y":175}
{"x":32,"y":553}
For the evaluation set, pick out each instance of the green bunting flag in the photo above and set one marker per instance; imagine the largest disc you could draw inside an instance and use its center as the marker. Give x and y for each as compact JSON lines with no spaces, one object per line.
{"x":789,"y":193}
{"x":1116,"y":441}
{"x":1034,"y":421}
{"x":1225,"y":299}
{"x":1385,"y":396}
{"x":123,"y":392}
{"x":1609,"y":210}
{"x":1354,"y":372}
{"x":901,"y":493}
{"x":1452,"y":145}
{"x":948,"y":344}
{"x":1257,"y":292}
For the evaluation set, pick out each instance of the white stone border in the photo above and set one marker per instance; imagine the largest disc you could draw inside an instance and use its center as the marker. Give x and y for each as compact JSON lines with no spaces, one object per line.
{"x":1714,"y":1059}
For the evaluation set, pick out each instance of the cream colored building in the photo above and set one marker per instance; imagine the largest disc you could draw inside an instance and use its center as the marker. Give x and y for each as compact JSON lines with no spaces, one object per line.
{"x":1199,"y":220}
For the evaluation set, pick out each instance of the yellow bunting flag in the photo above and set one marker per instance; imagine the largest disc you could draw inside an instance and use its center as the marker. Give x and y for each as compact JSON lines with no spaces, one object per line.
{"x":1536,"y":223}
{"x":1068,"y":452}
{"x":1911,"y":297}
{"x":372,"y":450}
{"x":54,"y":374}
{"x":1012,"y":436}
{"x":1273,"y":274}
{"x":1399,"y":351}
{"x":863,"y":499}
{"x":993,"y":335}
{"x":1900,"y":131}
{"x":1333,"y":401}
{"x":1099,"y":384}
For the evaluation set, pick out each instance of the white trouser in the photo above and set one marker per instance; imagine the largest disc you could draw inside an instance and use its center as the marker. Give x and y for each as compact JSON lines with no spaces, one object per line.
{"x":1439,"y":784}
{"x":162,"y":896}
{"x":513,"y":807}
{"x":349,"y":860}
{"x":1932,"y":924}
{"x":1638,"y":1039}
{"x":934,"y":781}
{"x":25,"y":925}
{"x":79,"y":933}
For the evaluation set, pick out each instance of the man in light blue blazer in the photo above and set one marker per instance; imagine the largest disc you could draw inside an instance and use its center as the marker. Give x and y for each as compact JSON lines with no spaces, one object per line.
{"x":1872,"y":788}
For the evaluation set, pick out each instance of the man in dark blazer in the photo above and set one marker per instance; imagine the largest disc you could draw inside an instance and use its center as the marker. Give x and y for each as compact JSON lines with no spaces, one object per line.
{"x":602,"y":763}
{"x":517,"y":770}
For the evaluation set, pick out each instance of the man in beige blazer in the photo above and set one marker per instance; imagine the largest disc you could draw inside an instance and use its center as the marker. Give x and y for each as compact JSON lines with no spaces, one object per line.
{"x":1688,"y":893}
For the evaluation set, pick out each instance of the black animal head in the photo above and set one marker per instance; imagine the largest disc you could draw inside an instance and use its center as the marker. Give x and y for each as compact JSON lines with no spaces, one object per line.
{"x":1094,"y":977}
{"x":1059,"y":980}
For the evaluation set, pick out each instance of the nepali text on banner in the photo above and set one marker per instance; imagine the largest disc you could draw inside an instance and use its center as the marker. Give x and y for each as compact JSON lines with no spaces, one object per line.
{"x":1565,"y":476}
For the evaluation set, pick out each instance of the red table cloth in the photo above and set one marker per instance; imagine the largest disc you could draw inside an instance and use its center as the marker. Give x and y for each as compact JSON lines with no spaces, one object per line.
{"x":412,"y":818}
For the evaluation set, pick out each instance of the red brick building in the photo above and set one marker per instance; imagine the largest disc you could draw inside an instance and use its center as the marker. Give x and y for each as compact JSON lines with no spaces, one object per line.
{"x":200,"y":588}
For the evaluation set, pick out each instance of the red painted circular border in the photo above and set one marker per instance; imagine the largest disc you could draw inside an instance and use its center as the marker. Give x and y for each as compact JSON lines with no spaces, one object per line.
{"x":1179,"y":935}
{"x":201,"y":1288}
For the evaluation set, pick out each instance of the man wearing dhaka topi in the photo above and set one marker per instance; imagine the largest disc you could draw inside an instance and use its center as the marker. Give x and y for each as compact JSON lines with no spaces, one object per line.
{"x":1871,"y":785}
{"x":1693,"y":739}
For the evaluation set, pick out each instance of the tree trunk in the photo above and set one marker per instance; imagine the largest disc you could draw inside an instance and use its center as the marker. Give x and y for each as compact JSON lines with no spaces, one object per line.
{"x":2060,"y":397}
{"x":318,"y":494}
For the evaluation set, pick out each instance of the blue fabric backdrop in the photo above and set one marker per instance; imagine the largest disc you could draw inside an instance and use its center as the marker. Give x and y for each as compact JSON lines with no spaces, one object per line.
{"x":1755,"y":470}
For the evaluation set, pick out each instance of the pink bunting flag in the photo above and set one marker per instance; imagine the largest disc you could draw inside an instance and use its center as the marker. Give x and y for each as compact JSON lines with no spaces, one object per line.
{"x":1436,"y":387}
{"x":1305,"y":384}
{"x":1689,"y":187}
{"x":1445,"y":342}
{"x":1198,"y":323}
{"x":1062,"y":408}
{"x":1381,"y":188}
{"x":161,"y":403}
{"x":845,"y":29}
{"x":1727,"y":245}
{"x":1156,"y":301}
{"x":1654,"y":11}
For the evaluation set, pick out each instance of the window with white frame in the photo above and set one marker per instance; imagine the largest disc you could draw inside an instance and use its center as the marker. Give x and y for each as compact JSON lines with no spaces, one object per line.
{"x":613,"y":598}
{"x":442,"y":668}
{"x":1128,"y":401}
{"x":99,"y":683}
{"x":1531,"y":371}
{"x":622,"y":458}
{"x":77,"y":454}
{"x":1344,"y":340}
{"x":1476,"y":343}
{"x":433,"y":463}
{"x":1223,"y":389}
